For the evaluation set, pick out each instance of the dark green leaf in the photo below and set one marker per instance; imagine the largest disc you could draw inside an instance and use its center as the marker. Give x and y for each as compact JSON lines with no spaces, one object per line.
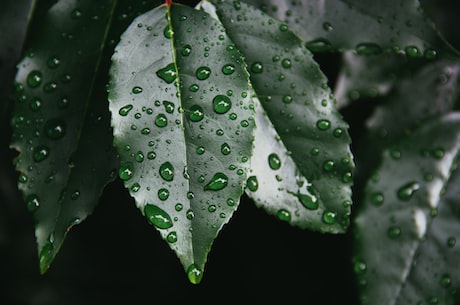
{"x":183,"y":124}
{"x":302,"y":165}
{"x":368,"y":27}
{"x":407,"y":225}
{"x":61,"y":124}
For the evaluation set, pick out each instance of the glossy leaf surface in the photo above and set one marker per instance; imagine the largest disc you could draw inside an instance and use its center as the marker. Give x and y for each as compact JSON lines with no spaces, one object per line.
{"x":408,"y":224}
{"x":183,"y":125}
{"x":368,"y":27}
{"x":302,"y":166}
{"x":61,"y":124}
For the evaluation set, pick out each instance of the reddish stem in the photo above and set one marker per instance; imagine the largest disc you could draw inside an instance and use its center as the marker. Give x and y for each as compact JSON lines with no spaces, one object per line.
{"x":168,"y":2}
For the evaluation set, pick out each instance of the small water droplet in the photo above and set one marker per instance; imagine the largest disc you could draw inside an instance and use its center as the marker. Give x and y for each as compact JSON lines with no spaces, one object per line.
{"x":377,"y":198}
{"x":274,"y":161}
{"x":75,"y":195}
{"x":283,"y":27}
{"x":323,"y":124}
{"x":252,"y":183}
{"x":328,"y":165}
{"x":169,"y":106}
{"x":55,"y":128}
{"x":222,"y":104}
{"x":178,"y":207}
{"x":50,"y":87}
{"x":394,"y":232}
{"x":196,"y":113}
{"x":338,"y":132}
{"x":359,"y":266}
{"x":157,"y":217}
{"x":225,"y":149}
{"x":167,"y":171}
{"x":327,"y":26}
{"x":203,"y":73}
{"x":286,"y":63}
{"x":135,"y":187}
{"x":230,"y":202}
{"x":137,"y":90}
{"x":451,"y":241}
{"x":287,"y":99}
{"x":151,"y":155}
{"x":257,"y":67}
{"x":145,"y":131}
{"x":194,"y":88}
{"x":445,"y":281}
{"x":413,"y":51}
{"x":430,"y":54}
{"x":126,"y":171}
{"x":218,"y":182}
{"x":407,"y":190}
{"x":168,"y":32}
{"x":41,"y":153}
{"x":34,"y":79}
{"x":32,"y":202}
{"x":283,"y":215}
{"x":168,"y":73}
{"x":228,"y":69}
{"x":319,"y":45}
{"x":171,"y":237}
{"x":163,"y":194}
{"x":193,"y":273}
{"x":53,"y":62}
{"x":186,"y":50}
{"x":329,"y":217}
{"x":161,"y":120}
{"x":368,"y":48}
{"x":125,"y":110}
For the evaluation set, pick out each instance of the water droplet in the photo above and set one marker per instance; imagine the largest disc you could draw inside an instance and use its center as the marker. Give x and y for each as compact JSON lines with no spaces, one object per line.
{"x":32,"y":202}
{"x":196,"y":113}
{"x":328,"y":165}
{"x":438,"y":153}
{"x":252,"y":183}
{"x":190,"y":195}
{"x":359,"y":266}
{"x":167,"y":171}
{"x":50,"y":87}
{"x":125,"y":110}
{"x":368,"y":48}
{"x":377,"y":198}
{"x":407,"y":190}
{"x":218,"y":182}
{"x":190,"y":214}
{"x":230,"y":202}
{"x":347,"y":177}
{"x":395,"y":154}
{"x":212,"y":208}
{"x":35,"y":104}
{"x":228,"y":69}
{"x":338,"y":132}
{"x":168,"y":32}
{"x":168,"y":73}
{"x":169,"y":106}
{"x":171,"y":237}
{"x":329,"y":217}
{"x":445,"y":281}
{"x":161,"y":120}
{"x":451,"y":241}
{"x":283,"y":215}
{"x":151,"y":155}
{"x":135,"y":187}
{"x":41,"y":153}
{"x":137,"y":90}
{"x":257,"y":67}
{"x":287,"y":99}
{"x":34,"y":79}
{"x":53,"y":62}
{"x":286,"y":63}
{"x":75,"y":195}
{"x":194,"y":88}
{"x":193,"y":273}
{"x":327,"y":26}
{"x":163,"y":194}
{"x":178,"y":207}
{"x":22,"y":178}
{"x":274,"y":161}
{"x":126,"y":171}
{"x":413,"y":51}
{"x":145,"y":131}
{"x":394,"y":232}
{"x":319,"y":45}
{"x":323,"y":124}
{"x":186,"y":50}
{"x":225,"y":149}
{"x":430,"y":54}
{"x":283,"y":27}
{"x":55,"y":128}
{"x":203,"y":73}
{"x":200,"y":150}
{"x":157,"y":217}
{"x":221,"y":104}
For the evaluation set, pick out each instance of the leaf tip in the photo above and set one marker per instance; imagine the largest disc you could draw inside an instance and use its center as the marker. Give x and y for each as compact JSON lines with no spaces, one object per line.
{"x":46,"y":256}
{"x":194,"y":274}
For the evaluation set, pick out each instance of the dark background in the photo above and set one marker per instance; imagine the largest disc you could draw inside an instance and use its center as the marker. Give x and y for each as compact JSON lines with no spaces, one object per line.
{"x":116,"y":256}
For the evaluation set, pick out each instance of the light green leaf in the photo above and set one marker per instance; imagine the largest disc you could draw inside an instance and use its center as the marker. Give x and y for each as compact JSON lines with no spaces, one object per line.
{"x":302,"y":165}
{"x":408,"y":223}
{"x":61,"y":123}
{"x":368,"y":27}
{"x":183,"y":125}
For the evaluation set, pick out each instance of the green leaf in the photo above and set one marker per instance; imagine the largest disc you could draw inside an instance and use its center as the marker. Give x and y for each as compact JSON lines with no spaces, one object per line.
{"x":302,"y":165}
{"x":61,"y":122}
{"x":368,"y":27}
{"x":183,"y":124}
{"x":408,"y":223}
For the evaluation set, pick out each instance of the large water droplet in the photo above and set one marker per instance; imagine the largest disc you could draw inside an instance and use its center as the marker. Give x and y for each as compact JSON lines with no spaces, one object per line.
{"x":168,"y":32}
{"x":203,"y":72}
{"x":283,"y":215}
{"x":225,"y":149}
{"x":41,"y":153}
{"x":163,"y":194}
{"x":34,"y":79}
{"x":407,"y":191}
{"x":286,"y":63}
{"x":252,"y":183}
{"x":161,"y":120}
{"x":171,"y":237}
{"x":221,"y":104}
{"x":196,"y":113}
{"x":186,"y":50}
{"x":329,"y":217}
{"x":168,"y":73}
{"x":125,"y":110}
{"x":169,"y":106}
{"x":157,"y":217}
{"x":323,"y":124}
{"x":319,"y":45}
{"x":194,"y":274}
{"x":274,"y":161}
{"x":55,"y":128}
{"x":257,"y":67}
{"x":218,"y":182}
{"x":228,"y":69}
{"x":136,"y":90}
{"x":126,"y":171}
{"x":310,"y":200}
{"x":413,"y":51}
{"x":368,"y":48}
{"x":167,"y":171}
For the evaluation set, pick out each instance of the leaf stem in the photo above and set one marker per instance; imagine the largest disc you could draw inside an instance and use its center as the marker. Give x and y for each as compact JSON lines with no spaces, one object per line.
{"x":168,"y":2}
